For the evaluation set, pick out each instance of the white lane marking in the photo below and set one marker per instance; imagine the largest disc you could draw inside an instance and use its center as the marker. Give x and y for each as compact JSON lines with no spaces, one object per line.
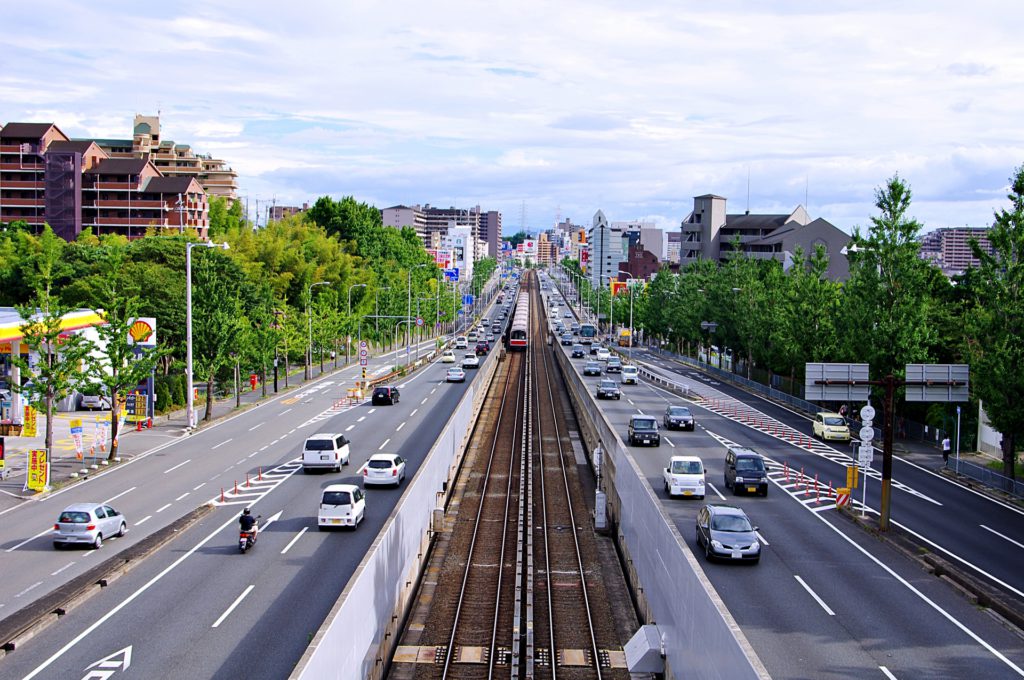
{"x":292,"y":430}
{"x":233,"y":605}
{"x":349,"y":428}
{"x":41,"y":533}
{"x":254,"y":453}
{"x":425,"y":399}
{"x":383,"y":444}
{"x":761,"y":538}
{"x":715,"y":489}
{"x":433,"y":390}
{"x":285,"y":411}
{"x":217,"y":446}
{"x":143,"y":520}
{"x":292,"y":542}
{"x":240,"y":462}
{"x":371,"y":410}
{"x":400,"y":426}
{"x":177,"y":466}
{"x":360,"y":419}
{"x":669,"y":442}
{"x":257,"y":425}
{"x":164,"y":508}
{"x":413,"y":412}
{"x":196,"y":488}
{"x":264,"y":448}
{"x":814,"y":595}
{"x":114,"y":498}
{"x":887,"y":673}
{"x":182,"y":495}
{"x":62,"y":568}
{"x":630,"y":401}
{"x":34,"y":585}
{"x":1016,"y":543}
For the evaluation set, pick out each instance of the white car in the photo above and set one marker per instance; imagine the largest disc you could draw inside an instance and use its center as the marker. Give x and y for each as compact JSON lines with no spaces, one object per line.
{"x":448,"y":356}
{"x":471,"y":360}
{"x":384,"y":468}
{"x":325,"y":451}
{"x":603,"y":354}
{"x":461,"y":342}
{"x":684,"y":476}
{"x":341,"y":505}
{"x":472,"y":337}
{"x":455,"y":375}
{"x":630,"y":375}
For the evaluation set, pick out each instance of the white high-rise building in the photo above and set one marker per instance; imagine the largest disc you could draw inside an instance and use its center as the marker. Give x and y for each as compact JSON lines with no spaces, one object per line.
{"x":606,"y":252}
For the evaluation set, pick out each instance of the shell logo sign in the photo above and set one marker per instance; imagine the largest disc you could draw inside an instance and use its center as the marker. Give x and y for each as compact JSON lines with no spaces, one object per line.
{"x":142,"y":332}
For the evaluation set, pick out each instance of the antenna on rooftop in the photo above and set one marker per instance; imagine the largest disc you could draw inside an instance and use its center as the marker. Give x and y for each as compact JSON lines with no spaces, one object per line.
{"x":748,"y":189}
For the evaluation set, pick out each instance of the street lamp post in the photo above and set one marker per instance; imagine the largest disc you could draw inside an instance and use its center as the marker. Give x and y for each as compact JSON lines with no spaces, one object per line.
{"x":309,"y":319}
{"x":408,"y":329}
{"x":190,"y":411}
{"x":348,"y":336}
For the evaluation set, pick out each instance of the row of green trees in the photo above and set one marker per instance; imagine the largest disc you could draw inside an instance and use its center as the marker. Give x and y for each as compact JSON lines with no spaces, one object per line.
{"x":252,"y":304}
{"x":894,"y":309}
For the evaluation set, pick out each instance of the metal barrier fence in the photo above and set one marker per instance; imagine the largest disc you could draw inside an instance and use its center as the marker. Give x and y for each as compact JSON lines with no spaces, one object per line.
{"x":986,"y":476}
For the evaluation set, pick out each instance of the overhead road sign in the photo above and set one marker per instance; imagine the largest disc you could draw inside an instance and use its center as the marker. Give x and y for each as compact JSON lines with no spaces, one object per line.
{"x":836,"y":382}
{"x":937,"y":382}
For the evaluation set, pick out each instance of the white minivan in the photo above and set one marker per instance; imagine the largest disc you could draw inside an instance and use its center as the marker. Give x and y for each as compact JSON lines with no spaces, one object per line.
{"x":684,"y":476}
{"x":630,"y":375}
{"x":325,"y":451}
{"x":341,"y":505}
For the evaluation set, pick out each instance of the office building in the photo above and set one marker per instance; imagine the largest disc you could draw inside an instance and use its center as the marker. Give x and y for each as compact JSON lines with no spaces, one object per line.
{"x":490,"y":230}
{"x":605,"y":251}
{"x":279,"y":212}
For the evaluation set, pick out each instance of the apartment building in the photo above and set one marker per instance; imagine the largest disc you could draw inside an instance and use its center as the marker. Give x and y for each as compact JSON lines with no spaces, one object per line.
{"x":433,"y":225}
{"x":606,"y":250}
{"x":709,"y":232}
{"x":45,"y":177}
{"x":950,"y":248}
{"x":490,"y":231}
{"x":280,"y":212}
{"x":547,"y":250}
{"x":173,"y":160}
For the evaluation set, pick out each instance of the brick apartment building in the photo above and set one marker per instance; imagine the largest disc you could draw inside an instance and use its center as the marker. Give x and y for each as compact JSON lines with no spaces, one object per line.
{"x":45,"y":177}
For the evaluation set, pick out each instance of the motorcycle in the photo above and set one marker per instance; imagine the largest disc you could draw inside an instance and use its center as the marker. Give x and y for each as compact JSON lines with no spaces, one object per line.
{"x":246,"y":539}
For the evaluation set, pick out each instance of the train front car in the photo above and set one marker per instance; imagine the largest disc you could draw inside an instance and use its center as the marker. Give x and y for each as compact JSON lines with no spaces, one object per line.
{"x":518,"y":338}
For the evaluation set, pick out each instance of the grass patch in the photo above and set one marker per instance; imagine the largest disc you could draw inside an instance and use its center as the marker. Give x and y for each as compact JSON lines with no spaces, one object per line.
{"x":997,"y":466}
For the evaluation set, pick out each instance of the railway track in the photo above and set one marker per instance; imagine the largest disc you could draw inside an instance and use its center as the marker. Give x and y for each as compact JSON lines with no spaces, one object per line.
{"x":519,"y":594}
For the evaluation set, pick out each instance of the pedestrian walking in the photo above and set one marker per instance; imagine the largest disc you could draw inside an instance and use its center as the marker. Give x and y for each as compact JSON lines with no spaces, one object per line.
{"x":945,"y":449}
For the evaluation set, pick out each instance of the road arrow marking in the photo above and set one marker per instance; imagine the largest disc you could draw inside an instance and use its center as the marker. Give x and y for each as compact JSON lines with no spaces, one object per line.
{"x":117,"y":661}
{"x":273,"y":518}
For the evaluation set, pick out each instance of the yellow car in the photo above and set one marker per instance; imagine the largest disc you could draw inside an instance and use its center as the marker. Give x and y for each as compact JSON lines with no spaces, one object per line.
{"x":831,"y":426}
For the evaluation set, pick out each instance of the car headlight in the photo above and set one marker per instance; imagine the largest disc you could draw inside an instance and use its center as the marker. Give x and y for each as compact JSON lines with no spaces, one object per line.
{"x":700,"y":483}
{"x":716,"y":545}
{"x":739,"y":480}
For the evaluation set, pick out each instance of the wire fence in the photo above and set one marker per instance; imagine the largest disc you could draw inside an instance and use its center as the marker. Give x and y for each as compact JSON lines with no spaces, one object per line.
{"x":988,"y":477}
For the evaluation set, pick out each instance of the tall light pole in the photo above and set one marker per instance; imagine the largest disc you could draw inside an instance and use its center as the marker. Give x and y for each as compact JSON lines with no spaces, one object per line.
{"x":632,"y":332}
{"x":408,"y":330}
{"x":190,"y":411}
{"x":348,"y":337}
{"x":309,"y":319}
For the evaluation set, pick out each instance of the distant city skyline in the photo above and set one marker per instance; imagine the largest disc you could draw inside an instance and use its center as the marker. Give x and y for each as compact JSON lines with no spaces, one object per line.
{"x":570,"y":108}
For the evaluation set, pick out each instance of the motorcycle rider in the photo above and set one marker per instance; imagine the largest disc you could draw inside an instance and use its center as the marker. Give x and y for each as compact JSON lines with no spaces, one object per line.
{"x":248,"y":523}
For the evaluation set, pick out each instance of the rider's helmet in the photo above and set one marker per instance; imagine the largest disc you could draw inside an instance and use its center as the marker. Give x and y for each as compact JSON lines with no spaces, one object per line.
{"x":246,"y":511}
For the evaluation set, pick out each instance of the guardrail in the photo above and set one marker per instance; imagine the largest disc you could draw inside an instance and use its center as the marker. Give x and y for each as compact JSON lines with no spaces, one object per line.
{"x":988,"y":477}
{"x":363,"y":627}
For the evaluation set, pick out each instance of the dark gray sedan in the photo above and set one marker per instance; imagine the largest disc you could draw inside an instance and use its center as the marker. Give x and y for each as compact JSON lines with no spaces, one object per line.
{"x":678,"y":418}
{"x":726,"y":533}
{"x":607,"y":389}
{"x":591,"y":368}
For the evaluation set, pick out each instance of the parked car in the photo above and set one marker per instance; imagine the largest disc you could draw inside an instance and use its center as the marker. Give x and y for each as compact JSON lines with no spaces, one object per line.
{"x":684,"y":476}
{"x":471,"y":360}
{"x":745,"y":471}
{"x":87,"y":524}
{"x":578,"y":351}
{"x":384,"y":394}
{"x":614,"y":365}
{"x":630,"y":375}
{"x":325,"y":450}
{"x":603,"y":354}
{"x":726,"y":533}
{"x":448,"y":357}
{"x":566,"y":338}
{"x":678,"y":418}
{"x":607,"y":389}
{"x":643,"y":429}
{"x":341,"y":505}
{"x":591,"y":368}
{"x":92,"y":402}
{"x":384,"y":468}
{"x":455,"y":375}
{"x":461,"y":342}
{"x":831,"y":426}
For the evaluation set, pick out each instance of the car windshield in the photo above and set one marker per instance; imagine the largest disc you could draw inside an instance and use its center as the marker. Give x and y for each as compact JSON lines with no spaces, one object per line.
{"x":643,"y":424}
{"x":730,"y":523}
{"x":319,"y":445}
{"x":380,"y":464}
{"x":381,"y":391}
{"x":749,"y":465}
{"x":834,"y":420}
{"x":687,"y":467}
{"x":679,"y":411}
{"x":337,"y":498}
{"x":74,"y":518}
{"x":606,"y":384}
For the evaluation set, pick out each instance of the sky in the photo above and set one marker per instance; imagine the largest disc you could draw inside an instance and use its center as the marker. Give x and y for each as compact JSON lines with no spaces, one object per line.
{"x":551,"y":110}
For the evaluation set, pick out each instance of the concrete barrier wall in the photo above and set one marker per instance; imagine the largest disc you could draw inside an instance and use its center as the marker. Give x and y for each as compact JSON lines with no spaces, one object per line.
{"x":701,"y":639}
{"x":363,"y":627}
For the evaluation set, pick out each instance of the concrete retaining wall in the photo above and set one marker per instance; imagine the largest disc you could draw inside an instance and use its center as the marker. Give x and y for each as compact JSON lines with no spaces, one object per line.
{"x":362,"y":629}
{"x":700,"y":637}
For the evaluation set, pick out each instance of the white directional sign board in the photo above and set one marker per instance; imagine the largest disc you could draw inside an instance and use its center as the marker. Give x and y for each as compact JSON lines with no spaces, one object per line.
{"x":865,"y":454}
{"x":937,"y":379}
{"x":836,"y":382}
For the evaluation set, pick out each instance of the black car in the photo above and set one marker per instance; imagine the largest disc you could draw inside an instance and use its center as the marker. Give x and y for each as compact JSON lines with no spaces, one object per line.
{"x":613,"y":365}
{"x":643,"y":430}
{"x":594,"y":346}
{"x":745,"y":471}
{"x":678,"y":418}
{"x":726,"y":533}
{"x":591,"y":368}
{"x":482,"y":348}
{"x":384,"y":395}
{"x":566,"y":338}
{"x":578,"y":351}
{"x":607,"y":389}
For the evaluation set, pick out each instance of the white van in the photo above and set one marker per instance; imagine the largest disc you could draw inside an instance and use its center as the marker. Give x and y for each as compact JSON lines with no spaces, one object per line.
{"x":684,"y":476}
{"x":630,"y":375}
{"x":341,"y":505}
{"x":325,"y":451}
